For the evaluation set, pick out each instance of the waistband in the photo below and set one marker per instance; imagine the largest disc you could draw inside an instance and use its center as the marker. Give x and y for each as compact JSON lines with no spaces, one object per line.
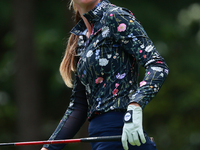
{"x":97,"y":113}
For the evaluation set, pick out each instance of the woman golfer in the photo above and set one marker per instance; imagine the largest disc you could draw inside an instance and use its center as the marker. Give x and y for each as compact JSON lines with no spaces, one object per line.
{"x":106,"y":48}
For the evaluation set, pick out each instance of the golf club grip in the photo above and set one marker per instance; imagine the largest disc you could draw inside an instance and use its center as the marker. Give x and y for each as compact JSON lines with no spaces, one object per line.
{"x":101,"y":139}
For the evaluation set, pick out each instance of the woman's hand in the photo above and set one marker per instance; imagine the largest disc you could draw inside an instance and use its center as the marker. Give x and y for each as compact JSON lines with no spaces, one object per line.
{"x":132,"y":130}
{"x":44,"y":148}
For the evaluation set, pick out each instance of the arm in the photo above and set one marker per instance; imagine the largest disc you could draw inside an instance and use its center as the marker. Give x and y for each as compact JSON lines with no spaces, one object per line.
{"x":127,"y":31}
{"x":73,"y":118}
{"x":133,"y":39}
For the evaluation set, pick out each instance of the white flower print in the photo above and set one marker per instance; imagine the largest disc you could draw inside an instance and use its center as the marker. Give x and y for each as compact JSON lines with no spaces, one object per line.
{"x":113,"y":9}
{"x":156,"y":88}
{"x":105,"y":31}
{"x":150,"y":61}
{"x":97,"y":54}
{"x":159,"y":69}
{"x":109,"y":55}
{"x":97,"y":57}
{"x":142,"y":46}
{"x":88,"y":88}
{"x":95,"y":43}
{"x":134,"y":38}
{"x":162,"y":75}
{"x":166,"y":71}
{"x":84,"y":59}
{"x":149,"y":48}
{"x":81,"y":41}
{"x":89,"y":53}
{"x":155,"y":55}
{"x":103,"y":61}
{"x":111,"y":107}
{"x":71,"y":104}
{"x":133,"y":96}
{"x":99,"y":102}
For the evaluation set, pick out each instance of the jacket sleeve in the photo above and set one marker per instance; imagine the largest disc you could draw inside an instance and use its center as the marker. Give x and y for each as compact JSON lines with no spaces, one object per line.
{"x":73,"y":118}
{"x":129,"y":33}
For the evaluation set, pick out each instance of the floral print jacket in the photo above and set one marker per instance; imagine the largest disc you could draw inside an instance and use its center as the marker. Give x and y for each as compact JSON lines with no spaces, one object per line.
{"x":109,"y":61}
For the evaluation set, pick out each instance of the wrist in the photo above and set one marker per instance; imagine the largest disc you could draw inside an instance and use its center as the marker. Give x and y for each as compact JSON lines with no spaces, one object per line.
{"x":43,"y":148}
{"x":134,"y":108}
{"x":135,"y":104}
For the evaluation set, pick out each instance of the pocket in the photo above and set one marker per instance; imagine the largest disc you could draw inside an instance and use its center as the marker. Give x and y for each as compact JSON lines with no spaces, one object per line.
{"x":150,"y":141}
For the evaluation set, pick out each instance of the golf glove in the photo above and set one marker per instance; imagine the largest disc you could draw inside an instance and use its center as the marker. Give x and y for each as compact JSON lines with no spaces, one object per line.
{"x":132,"y":130}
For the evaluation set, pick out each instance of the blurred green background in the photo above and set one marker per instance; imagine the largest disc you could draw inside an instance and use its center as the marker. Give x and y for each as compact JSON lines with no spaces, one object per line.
{"x":33,"y":97}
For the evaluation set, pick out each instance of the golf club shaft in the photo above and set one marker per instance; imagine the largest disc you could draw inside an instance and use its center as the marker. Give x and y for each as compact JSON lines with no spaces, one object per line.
{"x":88,"y":139}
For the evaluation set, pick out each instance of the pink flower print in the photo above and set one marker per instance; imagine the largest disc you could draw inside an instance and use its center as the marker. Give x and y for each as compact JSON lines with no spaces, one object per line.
{"x":99,"y":80}
{"x":143,"y":83}
{"x":131,"y":13}
{"x":148,"y":73}
{"x":104,"y":85}
{"x":159,"y":62}
{"x":111,"y":15}
{"x":115,"y":91}
{"x":120,"y":76}
{"x":92,"y":29}
{"x":121,"y":27}
{"x":140,"y":51}
{"x":116,"y":85}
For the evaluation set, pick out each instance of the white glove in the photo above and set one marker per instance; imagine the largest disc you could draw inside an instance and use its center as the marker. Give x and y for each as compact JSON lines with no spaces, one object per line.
{"x":132,"y":129}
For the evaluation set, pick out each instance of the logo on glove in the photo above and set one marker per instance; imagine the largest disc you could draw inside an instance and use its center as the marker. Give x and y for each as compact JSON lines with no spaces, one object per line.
{"x":128,"y":116}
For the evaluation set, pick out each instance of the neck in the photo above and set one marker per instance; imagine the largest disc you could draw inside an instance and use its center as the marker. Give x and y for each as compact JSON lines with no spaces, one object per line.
{"x":84,"y":8}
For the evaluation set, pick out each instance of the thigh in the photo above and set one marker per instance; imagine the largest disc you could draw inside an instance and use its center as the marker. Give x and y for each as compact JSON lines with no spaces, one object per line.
{"x":107,"y":146}
{"x":149,"y":145}
{"x":108,"y":124}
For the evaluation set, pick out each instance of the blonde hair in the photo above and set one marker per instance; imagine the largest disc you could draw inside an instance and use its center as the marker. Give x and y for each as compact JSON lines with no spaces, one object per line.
{"x":68,"y":64}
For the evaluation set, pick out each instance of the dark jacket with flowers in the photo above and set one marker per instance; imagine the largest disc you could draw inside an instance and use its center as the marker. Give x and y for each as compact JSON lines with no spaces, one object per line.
{"x":109,"y":61}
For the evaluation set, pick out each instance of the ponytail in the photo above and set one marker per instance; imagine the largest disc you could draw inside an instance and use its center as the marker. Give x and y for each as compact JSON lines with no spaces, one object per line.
{"x":68,"y":64}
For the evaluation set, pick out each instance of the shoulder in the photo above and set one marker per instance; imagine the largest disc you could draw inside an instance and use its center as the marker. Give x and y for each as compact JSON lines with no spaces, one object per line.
{"x":116,"y":15}
{"x":120,"y":19}
{"x":116,"y":11}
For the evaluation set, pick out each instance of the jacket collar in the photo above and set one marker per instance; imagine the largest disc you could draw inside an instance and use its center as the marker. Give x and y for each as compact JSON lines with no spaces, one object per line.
{"x":92,"y":16}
